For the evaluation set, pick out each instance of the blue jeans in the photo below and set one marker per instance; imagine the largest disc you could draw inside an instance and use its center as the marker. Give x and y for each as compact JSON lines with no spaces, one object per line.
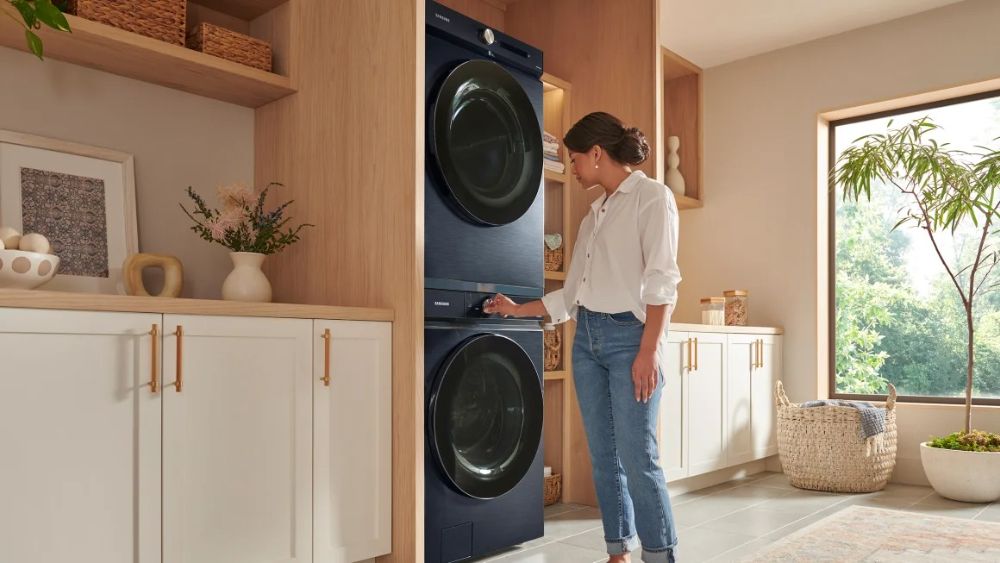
{"x":621,"y":433}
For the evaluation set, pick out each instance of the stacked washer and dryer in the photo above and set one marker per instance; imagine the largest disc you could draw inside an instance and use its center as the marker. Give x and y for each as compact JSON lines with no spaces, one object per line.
{"x":483,"y":234}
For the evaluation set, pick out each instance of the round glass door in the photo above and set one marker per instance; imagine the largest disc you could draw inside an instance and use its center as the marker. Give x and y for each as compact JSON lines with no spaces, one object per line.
{"x":486,"y":416}
{"x":487,"y":142}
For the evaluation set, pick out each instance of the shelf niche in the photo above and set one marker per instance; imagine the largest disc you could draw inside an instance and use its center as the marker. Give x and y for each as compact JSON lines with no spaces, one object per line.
{"x":682,"y":118}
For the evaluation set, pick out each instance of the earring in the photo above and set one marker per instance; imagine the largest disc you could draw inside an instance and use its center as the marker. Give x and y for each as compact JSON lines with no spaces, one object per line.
{"x":595,"y":165}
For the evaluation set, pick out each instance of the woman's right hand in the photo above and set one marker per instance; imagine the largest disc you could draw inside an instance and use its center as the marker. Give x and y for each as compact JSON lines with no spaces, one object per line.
{"x":501,"y":304}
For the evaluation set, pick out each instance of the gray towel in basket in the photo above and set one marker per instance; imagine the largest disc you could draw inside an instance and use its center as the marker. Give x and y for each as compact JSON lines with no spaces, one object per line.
{"x":872,"y":417}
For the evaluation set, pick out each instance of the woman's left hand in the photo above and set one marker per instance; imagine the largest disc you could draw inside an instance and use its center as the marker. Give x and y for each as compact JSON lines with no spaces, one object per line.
{"x":644,"y":374}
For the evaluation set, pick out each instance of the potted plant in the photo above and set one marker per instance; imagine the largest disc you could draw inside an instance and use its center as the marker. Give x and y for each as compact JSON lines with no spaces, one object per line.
{"x":251,"y":233}
{"x":947,"y":188}
{"x":34,"y":13}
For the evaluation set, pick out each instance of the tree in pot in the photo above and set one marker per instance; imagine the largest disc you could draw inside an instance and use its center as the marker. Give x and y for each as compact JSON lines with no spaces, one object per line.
{"x":947,"y":188}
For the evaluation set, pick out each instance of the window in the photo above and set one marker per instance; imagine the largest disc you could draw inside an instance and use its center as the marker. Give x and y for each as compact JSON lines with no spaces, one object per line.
{"x":896,"y":316}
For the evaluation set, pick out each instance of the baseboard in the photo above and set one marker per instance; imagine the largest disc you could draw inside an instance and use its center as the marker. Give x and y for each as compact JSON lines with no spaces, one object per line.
{"x":691,"y":484}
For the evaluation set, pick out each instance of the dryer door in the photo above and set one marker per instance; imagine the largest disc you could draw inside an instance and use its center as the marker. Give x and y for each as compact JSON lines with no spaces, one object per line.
{"x":485,"y":415}
{"x":487,"y":142}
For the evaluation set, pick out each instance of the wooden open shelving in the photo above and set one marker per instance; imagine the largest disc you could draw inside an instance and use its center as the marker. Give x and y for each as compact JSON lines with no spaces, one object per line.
{"x":682,"y":118}
{"x":555,"y":276}
{"x":556,"y":375}
{"x":131,"y":55}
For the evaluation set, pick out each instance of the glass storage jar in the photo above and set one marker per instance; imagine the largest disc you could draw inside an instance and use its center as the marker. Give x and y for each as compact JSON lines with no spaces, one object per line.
{"x":713,"y":311}
{"x":736,"y":307}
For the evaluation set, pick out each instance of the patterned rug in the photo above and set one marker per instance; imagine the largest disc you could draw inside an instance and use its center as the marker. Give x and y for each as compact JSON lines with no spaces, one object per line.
{"x":860,"y":533}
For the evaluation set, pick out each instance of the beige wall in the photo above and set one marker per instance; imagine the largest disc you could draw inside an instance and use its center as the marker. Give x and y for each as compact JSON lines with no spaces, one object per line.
{"x":177,"y":139}
{"x":759,"y":228}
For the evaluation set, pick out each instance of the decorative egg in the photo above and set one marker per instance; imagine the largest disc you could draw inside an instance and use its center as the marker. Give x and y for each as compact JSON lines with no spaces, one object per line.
{"x":10,"y":237}
{"x":35,"y":242}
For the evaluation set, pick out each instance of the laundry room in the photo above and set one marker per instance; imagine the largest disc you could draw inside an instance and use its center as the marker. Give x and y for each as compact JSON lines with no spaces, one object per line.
{"x":498,"y":280}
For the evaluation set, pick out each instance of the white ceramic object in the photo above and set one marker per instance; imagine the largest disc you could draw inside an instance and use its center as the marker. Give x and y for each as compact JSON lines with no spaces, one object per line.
{"x":2,"y":245}
{"x":34,"y":242}
{"x":960,"y":475}
{"x":247,"y":281}
{"x":10,"y":237}
{"x":26,"y":270}
{"x":674,"y":180}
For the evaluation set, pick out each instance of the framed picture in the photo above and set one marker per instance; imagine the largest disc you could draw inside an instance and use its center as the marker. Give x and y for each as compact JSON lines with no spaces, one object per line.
{"x":81,"y":198}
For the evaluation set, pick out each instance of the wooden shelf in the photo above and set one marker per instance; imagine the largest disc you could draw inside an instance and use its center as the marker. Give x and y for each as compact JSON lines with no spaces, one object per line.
{"x":555,"y":375}
{"x":685,"y":202}
{"x":135,"y":56}
{"x":554,"y":176}
{"x":682,"y":105}
{"x":560,"y":276}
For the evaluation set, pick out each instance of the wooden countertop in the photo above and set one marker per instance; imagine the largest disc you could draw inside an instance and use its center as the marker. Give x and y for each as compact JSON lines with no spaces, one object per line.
{"x":35,"y":299}
{"x":691,"y":327}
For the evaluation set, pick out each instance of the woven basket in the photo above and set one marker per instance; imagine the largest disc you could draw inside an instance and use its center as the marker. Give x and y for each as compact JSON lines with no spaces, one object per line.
{"x":553,"y":349}
{"x":230,"y":45}
{"x":821,"y":448}
{"x":553,"y":489}
{"x":553,"y":259}
{"x":159,"y":19}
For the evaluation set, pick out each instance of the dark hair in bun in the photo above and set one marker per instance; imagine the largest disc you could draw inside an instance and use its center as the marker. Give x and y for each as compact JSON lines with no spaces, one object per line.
{"x":624,"y":145}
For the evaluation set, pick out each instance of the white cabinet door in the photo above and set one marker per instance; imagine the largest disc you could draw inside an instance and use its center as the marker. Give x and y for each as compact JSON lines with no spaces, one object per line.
{"x":673,"y":404}
{"x":740,"y":362}
{"x":763,"y":412}
{"x":706,"y":421}
{"x":237,"y":440}
{"x":79,"y":438}
{"x":352,"y":383}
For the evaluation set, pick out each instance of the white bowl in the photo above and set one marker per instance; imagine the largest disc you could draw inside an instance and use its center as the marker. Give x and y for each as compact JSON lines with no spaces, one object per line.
{"x":20,"y":269}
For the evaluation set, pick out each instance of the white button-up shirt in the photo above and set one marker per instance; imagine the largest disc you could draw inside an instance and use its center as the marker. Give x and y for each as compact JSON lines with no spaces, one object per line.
{"x":625,"y":255}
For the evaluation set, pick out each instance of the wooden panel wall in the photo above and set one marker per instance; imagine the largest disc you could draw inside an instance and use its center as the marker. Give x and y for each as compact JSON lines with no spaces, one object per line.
{"x":609,"y":52}
{"x":490,"y":12}
{"x":348,"y":147}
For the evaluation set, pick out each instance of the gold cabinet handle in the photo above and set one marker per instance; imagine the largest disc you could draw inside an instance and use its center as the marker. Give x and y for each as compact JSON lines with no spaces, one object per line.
{"x":180,"y":358}
{"x":761,"y":352}
{"x":696,"y":354}
{"x":326,"y":357}
{"x":154,"y":377}
{"x":757,"y":362}
{"x":689,"y":354}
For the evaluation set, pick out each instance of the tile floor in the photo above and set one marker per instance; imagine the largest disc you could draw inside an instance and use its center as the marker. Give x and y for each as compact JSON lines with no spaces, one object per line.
{"x":729,"y":521}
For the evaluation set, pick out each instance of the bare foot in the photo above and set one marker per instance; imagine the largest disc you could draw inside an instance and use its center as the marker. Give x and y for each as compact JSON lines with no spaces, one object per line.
{"x":618,"y":558}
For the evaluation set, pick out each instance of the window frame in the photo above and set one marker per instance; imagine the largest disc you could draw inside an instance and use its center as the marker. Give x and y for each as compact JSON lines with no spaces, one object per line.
{"x":832,"y":254}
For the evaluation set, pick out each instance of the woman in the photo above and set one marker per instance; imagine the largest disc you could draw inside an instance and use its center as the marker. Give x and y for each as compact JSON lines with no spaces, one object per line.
{"x":621,"y":289}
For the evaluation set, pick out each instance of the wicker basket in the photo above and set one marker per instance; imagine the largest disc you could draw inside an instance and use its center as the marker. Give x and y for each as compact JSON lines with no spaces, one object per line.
{"x":159,"y":19}
{"x":553,"y":489}
{"x":821,"y":448}
{"x":552,"y":341}
{"x":230,"y":45}
{"x":553,"y":259}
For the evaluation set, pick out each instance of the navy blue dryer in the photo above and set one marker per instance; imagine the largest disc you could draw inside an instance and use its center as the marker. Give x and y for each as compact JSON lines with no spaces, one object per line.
{"x":483,"y":201}
{"x":483,"y":455}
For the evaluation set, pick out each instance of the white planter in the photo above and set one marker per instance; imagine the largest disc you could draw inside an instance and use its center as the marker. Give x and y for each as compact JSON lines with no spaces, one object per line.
{"x":960,"y":475}
{"x":246,"y":282}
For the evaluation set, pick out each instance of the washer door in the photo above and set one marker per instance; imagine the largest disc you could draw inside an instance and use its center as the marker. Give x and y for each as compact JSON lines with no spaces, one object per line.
{"x":487,"y":142}
{"x":485,"y":416}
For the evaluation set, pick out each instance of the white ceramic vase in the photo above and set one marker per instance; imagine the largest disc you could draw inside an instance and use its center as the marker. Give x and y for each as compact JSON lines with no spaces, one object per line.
{"x":247,"y":281}
{"x":674,"y":180}
{"x":960,"y":475}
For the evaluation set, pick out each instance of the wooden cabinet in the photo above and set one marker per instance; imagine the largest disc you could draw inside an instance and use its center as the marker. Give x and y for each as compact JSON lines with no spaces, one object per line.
{"x":237,"y":429}
{"x":79,"y":436}
{"x":352,"y":455}
{"x":673,"y":424}
{"x":741,"y":357}
{"x":763,"y":416}
{"x":717,"y":409}
{"x":242,"y":452}
{"x":706,"y":397}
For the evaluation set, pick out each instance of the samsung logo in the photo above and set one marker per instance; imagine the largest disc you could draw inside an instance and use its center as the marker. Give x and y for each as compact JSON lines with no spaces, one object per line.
{"x":442,"y":304}
{"x":440,"y":17}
